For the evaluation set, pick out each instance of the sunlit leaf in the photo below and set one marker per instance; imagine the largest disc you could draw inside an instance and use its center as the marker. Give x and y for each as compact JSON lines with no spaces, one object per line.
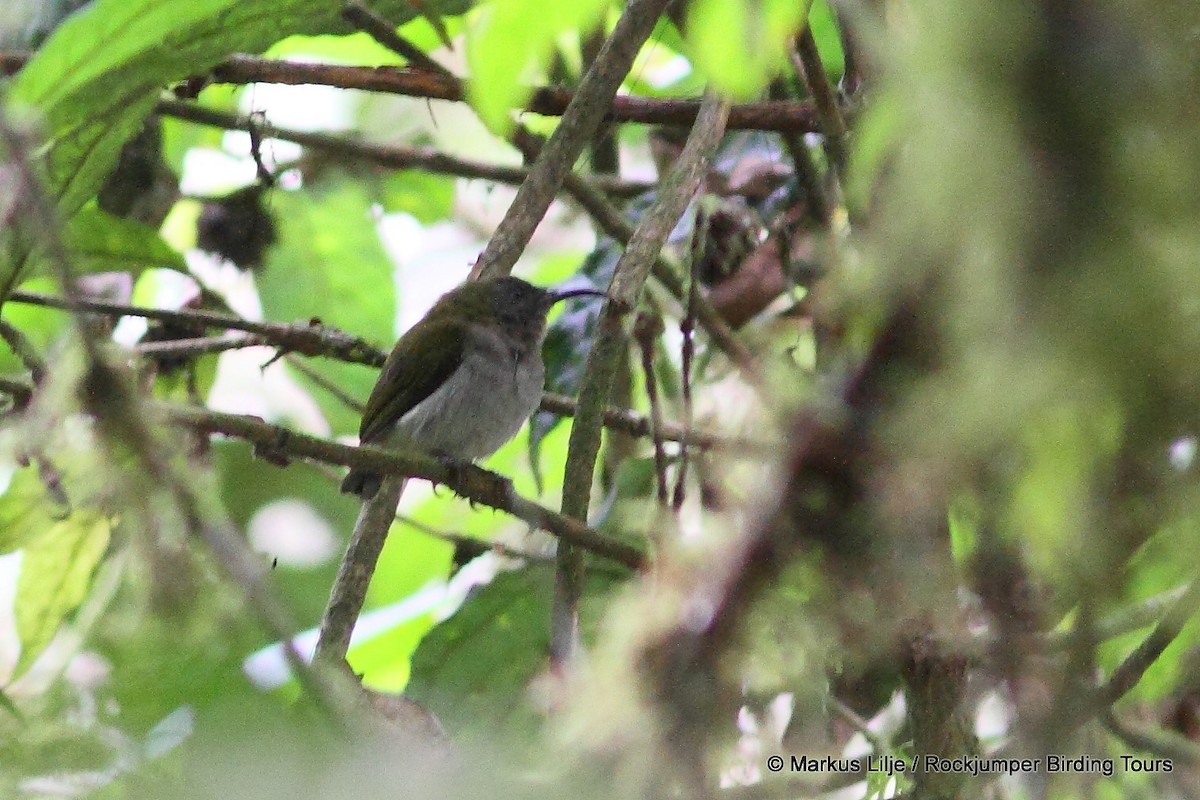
{"x":741,"y":44}
{"x":511,"y":40}
{"x":474,"y":670}
{"x":329,"y":264}
{"x":56,"y":571}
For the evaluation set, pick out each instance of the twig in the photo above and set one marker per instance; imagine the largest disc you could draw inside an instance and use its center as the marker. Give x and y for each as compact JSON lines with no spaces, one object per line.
{"x":630,"y":422}
{"x":579,"y":122}
{"x":336,"y":391}
{"x":808,"y":65}
{"x":384,"y":32}
{"x":609,"y":219}
{"x":305,"y":338}
{"x":629,"y":276}
{"x":24,"y":350}
{"x":1130,"y":671}
{"x":687,"y":328}
{"x":460,"y":540}
{"x":817,"y":202}
{"x":201,"y":345}
{"x":475,"y":484}
{"x":1159,"y":742}
{"x":646,"y":330}
{"x":394,"y":156}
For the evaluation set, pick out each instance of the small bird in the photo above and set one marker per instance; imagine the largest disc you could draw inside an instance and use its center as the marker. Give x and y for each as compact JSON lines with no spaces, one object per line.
{"x":462,"y":381}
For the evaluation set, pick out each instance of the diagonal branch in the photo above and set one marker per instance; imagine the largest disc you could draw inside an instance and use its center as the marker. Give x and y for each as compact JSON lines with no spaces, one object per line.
{"x":629,"y":276}
{"x":580,"y":121}
{"x":474,"y":483}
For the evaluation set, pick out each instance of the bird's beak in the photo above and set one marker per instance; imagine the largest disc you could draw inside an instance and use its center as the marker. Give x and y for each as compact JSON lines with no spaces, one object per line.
{"x":556,"y":297}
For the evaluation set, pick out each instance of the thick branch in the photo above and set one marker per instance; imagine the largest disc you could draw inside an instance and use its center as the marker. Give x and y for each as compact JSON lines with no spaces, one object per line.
{"x":629,"y":276}
{"x":546,"y":100}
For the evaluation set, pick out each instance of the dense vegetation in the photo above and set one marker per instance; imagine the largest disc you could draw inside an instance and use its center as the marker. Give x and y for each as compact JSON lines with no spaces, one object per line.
{"x":878,"y":457}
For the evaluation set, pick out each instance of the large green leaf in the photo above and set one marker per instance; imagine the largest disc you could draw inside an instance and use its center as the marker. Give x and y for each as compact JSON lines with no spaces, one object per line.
{"x":100,"y":242}
{"x":330,"y":264}
{"x":474,"y":670}
{"x":100,"y":72}
{"x":513,"y":38}
{"x":740,"y":45}
{"x":56,"y":572}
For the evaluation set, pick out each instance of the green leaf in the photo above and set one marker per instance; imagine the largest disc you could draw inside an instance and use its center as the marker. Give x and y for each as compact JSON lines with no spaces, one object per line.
{"x":473,"y":671}
{"x":329,"y":263}
{"x":740,"y":45}
{"x":512,"y":39}
{"x":98,"y":76}
{"x":56,"y":571}
{"x":429,"y":198}
{"x":829,"y":41}
{"x":26,"y":510}
{"x":100,"y":242}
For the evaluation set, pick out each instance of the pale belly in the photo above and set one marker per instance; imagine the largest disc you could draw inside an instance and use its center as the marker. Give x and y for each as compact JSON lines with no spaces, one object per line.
{"x":481,"y":407}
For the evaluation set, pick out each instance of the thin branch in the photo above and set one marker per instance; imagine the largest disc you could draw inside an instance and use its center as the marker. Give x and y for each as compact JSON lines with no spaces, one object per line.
{"x":385,"y":33}
{"x":1158,"y":742}
{"x":545,"y":100}
{"x":646,"y":330}
{"x":474,"y":483}
{"x":687,"y":329}
{"x":352,"y":403}
{"x":198,"y":346}
{"x":394,"y":156}
{"x":305,"y":338}
{"x":817,"y":201}
{"x":460,"y":540}
{"x":24,"y":350}
{"x":807,"y":63}
{"x":1130,"y":671}
{"x":635,"y":424}
{"x":609,"y":219}
{"x":580,"y":121}
{"x":629,"y":276}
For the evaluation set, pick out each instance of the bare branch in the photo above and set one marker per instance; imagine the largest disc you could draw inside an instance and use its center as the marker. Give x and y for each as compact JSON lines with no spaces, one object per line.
{"x":474,"y":483}
{"x":386,"y":155}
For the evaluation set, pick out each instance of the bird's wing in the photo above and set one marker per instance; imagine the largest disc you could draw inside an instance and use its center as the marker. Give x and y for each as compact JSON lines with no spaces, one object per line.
{"x":406,"y":380}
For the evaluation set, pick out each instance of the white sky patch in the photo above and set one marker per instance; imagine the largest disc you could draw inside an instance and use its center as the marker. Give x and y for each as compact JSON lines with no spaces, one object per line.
{"x":292,"y":531}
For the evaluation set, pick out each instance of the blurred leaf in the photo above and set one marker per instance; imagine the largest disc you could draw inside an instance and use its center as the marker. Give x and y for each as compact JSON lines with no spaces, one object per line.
{"x":41,"y":326}
{"x":428,"y":197}
{"x":473,"y":671}
{"x":98,"y":76}
{"x":824,"y":27}
{"x":329,"y":263}
{"x":739,"y":44}
{"x":100,"y":242}
{"x":56,"y":571}
{"x":512,"y":39}
{"x":26,"y":510}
